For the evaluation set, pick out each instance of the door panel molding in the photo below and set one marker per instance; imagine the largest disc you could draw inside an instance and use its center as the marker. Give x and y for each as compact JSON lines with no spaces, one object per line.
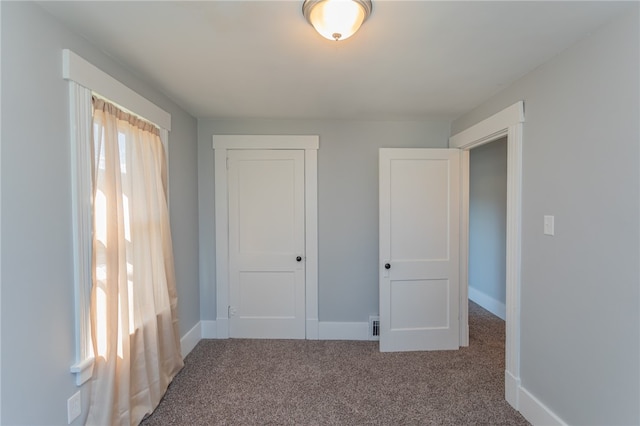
{"x":310,"y":144}
{"x":509,"y":123}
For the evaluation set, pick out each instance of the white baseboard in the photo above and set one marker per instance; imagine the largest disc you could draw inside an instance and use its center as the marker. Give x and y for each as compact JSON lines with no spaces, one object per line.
{"x":528,"y":405}
{"x":536,"y":412}
{"x":219,"y":329}
{"x":492,"y":305}
{"x":209,"y":329}
{"x":191,"y":339}
{"x":315,"y":331}
{"x":343,"y":330}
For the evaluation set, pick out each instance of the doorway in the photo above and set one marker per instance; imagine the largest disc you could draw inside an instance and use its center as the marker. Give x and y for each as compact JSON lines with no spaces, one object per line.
{"x":488,"y":226}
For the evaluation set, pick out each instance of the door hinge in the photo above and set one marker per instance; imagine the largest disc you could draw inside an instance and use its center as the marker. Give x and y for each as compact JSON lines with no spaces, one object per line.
{"x":227,"y":163}
{"x":231,"y":311}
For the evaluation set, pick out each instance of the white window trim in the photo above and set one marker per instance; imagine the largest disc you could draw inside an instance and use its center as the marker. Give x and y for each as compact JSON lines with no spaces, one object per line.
{"x":84,"y":78}
{"x":75,"y":68}
{"x":81,"y":188}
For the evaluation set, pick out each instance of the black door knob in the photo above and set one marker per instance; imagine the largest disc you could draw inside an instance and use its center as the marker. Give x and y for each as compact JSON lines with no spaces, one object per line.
{"x":387,"y":266}
{"x":299,"y":258}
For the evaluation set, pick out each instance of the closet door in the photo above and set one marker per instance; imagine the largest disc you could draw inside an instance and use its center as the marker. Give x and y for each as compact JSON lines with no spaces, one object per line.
{"x":266,"y":190}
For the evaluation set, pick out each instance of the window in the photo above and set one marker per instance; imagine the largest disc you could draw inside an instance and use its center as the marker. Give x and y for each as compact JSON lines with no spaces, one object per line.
{"x":84,"y":80}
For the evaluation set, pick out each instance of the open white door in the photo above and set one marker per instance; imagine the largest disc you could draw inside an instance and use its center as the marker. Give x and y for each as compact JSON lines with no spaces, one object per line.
{"x":266,"y":244}
{"x":419,"y":249}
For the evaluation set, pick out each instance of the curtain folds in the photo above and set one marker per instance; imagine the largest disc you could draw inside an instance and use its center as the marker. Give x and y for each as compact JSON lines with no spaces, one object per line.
{"x":134,"y":322}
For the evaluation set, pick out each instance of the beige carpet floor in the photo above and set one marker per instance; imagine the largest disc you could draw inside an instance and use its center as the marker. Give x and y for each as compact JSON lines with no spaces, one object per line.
{"x":303,"y":382}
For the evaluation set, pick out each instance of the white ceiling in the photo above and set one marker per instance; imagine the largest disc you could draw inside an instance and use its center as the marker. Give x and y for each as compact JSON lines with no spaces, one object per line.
{"x":261,"y":59}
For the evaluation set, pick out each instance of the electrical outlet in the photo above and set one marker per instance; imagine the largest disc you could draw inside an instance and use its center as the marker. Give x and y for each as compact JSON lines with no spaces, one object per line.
{"x":74,"y":406}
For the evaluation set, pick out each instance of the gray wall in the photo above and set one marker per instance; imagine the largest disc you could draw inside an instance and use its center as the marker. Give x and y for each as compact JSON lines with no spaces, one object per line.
{"x":37,"y":309}
{"x":488,"y":219}
{"x":347,"y":200}
{"x":580,"y":292}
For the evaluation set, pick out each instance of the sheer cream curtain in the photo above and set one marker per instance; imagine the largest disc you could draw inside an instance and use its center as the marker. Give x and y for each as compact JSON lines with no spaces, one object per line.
{"x":134,"y":321}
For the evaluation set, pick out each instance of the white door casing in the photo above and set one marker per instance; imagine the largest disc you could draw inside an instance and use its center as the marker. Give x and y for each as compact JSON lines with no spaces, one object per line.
{"x":509,"y":123}
{"x":266,"y":244}
{"x":419,"y":255}
{"x":308,"y":144}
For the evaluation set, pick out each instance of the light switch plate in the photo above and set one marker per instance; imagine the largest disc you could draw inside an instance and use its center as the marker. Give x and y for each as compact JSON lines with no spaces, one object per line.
{"x":549,"y":225}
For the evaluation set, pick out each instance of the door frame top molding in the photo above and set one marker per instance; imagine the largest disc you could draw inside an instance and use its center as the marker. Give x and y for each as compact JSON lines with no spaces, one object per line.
{"x":490,"y":129}
{"x":310,"y":144}
{"x":305,"y":142}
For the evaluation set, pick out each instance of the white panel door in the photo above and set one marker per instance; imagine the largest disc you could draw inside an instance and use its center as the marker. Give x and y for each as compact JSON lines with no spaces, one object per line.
{"x":419,"y":259}
{"x":266,"y":244}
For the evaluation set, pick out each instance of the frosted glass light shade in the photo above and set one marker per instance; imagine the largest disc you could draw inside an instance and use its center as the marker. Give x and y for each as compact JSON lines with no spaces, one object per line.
{"x":336,"y":19}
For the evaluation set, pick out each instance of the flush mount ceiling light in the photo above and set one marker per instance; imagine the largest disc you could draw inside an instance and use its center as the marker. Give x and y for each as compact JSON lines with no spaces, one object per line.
{"x":336,"y":19}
